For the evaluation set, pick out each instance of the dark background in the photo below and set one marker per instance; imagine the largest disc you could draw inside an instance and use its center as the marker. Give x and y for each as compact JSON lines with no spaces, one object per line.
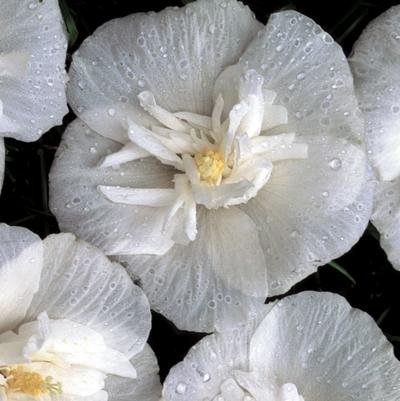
{"x":24,"y":199}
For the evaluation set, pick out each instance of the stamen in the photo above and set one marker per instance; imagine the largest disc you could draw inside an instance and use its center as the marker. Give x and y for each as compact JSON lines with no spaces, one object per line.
{"x":210,"y":164}
{"x":19,"y":380}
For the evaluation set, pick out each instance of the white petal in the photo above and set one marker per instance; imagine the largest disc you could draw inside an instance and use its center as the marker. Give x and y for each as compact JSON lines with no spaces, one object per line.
{"x":145,"y":197}
{"x":309,"y":74}
{"x":375,"y":67}
{"x":79,"y":345}
{"x":274,"y":116}
{"x":33,"y":89}
{"x":146,"y":387}
{"x":216,"y":196}
{"x":326,"y":348}
{"x":76,"y":380}
{"x":14,"y":64}
{"x":235,"y":118}
{"x":126,"y":56}
{"x":148,"y":102}
{"x":386,"y":218}
{"x":313,"y":210}
{"x":250,"y":89}
{"x":202,"y":286}
{"x":195,"y":119}
{"x":81,"y":209}
{"x":151,"y":143}
{"x":80,"y":284}
{"x":127,"y":153}
{"x":11,"y":353}
{"x":21,"y":261}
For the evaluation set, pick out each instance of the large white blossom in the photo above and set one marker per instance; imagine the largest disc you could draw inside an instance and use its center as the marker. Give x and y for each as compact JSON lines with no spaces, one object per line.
{"x":308,"y":347}
{"x":73,"y":326}
{"x":33,"y":48}
{"x":224,"y":164}
{"x":376,"y":67}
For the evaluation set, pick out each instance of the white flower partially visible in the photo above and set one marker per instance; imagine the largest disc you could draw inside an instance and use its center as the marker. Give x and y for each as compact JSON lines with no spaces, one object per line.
{"x":33,"y":48}
{"x":376,"y":67}
{"x":218,"y":159}
{"x":93,"y":343}
{"x":306,"y":347}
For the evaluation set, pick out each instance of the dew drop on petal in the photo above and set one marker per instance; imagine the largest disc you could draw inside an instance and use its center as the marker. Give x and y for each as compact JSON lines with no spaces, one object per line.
{"x":335,"y":164}
{"x":181,"y":388}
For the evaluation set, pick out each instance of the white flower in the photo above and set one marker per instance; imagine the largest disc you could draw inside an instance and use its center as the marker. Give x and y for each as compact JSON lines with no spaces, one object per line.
{"x":221,"y":182}
{"x":376,"y":67}
{"x":310,"y":346}
{"x":72,"y":324}
{"x":33,"y":49}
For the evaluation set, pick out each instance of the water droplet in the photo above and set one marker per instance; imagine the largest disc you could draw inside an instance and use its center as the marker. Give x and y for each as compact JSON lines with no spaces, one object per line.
{"x":206,"y":377}
{"x":141,"y":83}
{"x":81,"y":85}
{"x":300,"y":76}
{"x":32,"y":5}
{"x":181,"y":388}
{"x":335,"y":164}
{"x":111,"y":112}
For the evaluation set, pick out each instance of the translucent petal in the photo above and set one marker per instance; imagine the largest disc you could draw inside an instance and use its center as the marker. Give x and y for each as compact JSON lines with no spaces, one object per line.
{"x":21,"y":261}
{"x":312,"y":210}
{"x":176,"y":54}
{"x":204,"y":285}
{"x":80,"y":284}
{"x":80,"y":208}
{"x":146,"y":387}
{"x":33,"y":44}
{"x":386,"y":218}
{"x":329,"y":350}
{"x":375,"y":64}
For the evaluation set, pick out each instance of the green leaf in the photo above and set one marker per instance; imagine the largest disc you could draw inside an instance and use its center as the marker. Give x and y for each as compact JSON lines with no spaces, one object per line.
{"x":342,"y":270}
{"x":69,"y":21}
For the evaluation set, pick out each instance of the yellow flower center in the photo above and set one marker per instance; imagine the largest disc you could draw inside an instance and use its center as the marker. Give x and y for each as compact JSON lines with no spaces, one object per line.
{"x":210,"y":164}
{"x":19,"y":380}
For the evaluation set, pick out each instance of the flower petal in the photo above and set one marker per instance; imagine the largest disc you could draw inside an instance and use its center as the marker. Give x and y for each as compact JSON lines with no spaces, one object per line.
{"x":204,"y":285}
{"x":127,"y":153}
{"x":386,"y":218}
{"x":33,"y":83}
{"x":21,"y":261}
{"x":176,"y":54}
{"x":80,"y":208}
{"x":375,"y":63}
{"x":146,"y":387}
{"x":312,"y":210}
{"x":80,"y":284}
{"x":326,"y":348}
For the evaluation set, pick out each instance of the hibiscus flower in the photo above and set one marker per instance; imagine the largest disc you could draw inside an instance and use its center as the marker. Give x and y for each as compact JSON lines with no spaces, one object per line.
{"x":33,"y":49}
{"x":73,"y":325}
{"x":218,"y":158}
{"x":375,"y":64}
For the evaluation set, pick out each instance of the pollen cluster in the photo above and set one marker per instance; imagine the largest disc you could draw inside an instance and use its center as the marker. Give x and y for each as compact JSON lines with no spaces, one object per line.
{"x":19,"y":380}
{"x":210,"y":164}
